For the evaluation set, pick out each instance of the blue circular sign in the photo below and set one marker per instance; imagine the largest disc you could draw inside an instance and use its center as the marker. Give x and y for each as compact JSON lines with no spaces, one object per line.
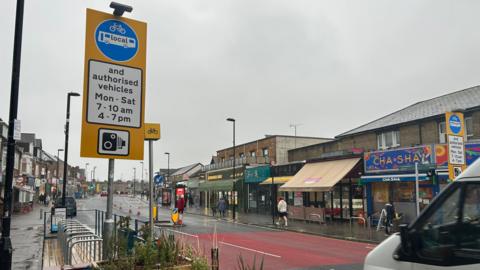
{"x":455,"y":123}
{"x":116,"y":40}
{"x":158,"y":179}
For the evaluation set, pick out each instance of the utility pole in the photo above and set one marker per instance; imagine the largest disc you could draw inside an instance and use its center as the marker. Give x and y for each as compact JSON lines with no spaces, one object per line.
{"x":6,"y":248}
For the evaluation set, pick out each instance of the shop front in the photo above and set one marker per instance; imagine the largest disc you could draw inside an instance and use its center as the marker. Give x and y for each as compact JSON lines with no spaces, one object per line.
{"x":258,"y":198}
{"x":328,"y":189}
{"x":221,"y":184}
{"x":390,"y":177}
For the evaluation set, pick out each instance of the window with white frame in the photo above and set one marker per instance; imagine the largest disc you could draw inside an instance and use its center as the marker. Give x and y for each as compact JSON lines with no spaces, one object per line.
{"x":469,"y":127}
{"x":265,"y":152}
{"x":242,"y":155}
{"x":253,"y":154}
{"x":442,"y":133}
{"x":389,"y":139}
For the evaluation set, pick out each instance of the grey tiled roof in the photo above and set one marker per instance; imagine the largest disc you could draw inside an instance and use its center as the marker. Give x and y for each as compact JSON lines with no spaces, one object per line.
{"x":185,"y":169}
{"x":463,"y":99}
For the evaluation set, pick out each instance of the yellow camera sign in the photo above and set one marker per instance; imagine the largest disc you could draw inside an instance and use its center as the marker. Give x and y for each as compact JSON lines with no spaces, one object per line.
{"x":152,"y":131}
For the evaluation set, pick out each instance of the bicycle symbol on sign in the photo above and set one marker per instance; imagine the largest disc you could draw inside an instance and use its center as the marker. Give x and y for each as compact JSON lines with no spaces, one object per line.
{"x":117,"y":27}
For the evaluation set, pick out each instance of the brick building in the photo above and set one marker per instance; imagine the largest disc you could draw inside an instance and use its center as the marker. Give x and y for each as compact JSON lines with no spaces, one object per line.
{"x":220,"y":181}
{"x":391,"y":145}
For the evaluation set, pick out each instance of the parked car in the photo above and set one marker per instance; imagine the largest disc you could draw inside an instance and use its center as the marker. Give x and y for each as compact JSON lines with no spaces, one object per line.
{"x":446,"y":235}
{"x":103,"y":194}
{"x":71,"y":206}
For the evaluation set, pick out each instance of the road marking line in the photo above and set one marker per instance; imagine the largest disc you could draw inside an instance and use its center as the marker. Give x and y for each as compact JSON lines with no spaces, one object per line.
{"x":184,"y":233}
{"x":254,"y":250}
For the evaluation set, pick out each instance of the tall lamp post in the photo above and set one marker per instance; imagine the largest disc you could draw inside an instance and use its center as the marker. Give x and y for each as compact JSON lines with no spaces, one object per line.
{"x":168,"y":179}
{"x":233,"y":169}
{"x":134,"y":176}
{"x":141,"y":162}
{"x":6,"y":248}
{"x":58,"y":169}
{"x":65,"y":157}
{"x":86,"y":169}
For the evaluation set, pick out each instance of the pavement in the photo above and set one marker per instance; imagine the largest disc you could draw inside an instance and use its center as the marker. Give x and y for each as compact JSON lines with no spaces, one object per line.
{"x":27,"y":239}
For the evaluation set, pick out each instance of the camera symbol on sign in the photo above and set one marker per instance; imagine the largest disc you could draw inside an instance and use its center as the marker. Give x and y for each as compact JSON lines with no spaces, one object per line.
{"x":113,"y":142}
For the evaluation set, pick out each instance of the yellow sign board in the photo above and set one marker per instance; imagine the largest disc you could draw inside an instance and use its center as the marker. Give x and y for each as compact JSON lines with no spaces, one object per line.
{"x":455,"y":127}
{"x":152,"y":131}
{"x":114,"y":87}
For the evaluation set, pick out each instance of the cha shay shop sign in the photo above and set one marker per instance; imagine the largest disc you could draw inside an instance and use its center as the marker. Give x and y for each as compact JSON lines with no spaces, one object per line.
{"x":399,"y":159}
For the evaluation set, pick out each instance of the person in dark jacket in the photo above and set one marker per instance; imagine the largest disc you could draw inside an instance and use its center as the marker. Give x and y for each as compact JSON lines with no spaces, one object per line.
{"x":222,"y":206}
{"x":390,"y":215}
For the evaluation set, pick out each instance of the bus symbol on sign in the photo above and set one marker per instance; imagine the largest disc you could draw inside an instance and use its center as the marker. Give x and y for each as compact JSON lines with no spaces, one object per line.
{"x":116,"y":40}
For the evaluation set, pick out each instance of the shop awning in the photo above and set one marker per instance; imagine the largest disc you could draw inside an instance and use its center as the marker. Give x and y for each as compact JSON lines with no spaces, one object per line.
{"x":217,"y":185}
{"x":393,"y":178}
{"x":277,"y":180}
{"x":320,"y":176}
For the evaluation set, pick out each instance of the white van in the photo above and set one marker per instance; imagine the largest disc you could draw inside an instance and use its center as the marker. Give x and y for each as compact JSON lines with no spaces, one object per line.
{"x":446,"y":235}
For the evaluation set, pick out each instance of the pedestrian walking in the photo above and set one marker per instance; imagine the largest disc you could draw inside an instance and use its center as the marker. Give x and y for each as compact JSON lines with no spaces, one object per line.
{"x":282,"y":211}
{"x":222,"y":206}
{"x":213,"y":206}
{"x":47,"y":200}
{"x":180,"y":206}
{"x":390,"y":215}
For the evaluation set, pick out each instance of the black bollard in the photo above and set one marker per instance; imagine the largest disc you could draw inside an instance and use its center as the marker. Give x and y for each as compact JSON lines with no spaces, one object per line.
{"x":215,"y":261}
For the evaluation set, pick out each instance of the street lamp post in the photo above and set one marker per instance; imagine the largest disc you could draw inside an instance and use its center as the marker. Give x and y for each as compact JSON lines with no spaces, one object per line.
{"x":233,"y":174}
{"x":86,"y":169}
{"x":168,"y":180}
{"x":6,"y":248}
{"x":65,"y":152}
{"x":141,"y":162}
{"x":58,"y":169}
{"x":134,"y":176}
{"x":93,"y":172}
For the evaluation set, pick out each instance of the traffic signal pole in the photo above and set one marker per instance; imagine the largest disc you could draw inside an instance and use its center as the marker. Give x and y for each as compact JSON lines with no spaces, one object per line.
{"x":5,"y":241}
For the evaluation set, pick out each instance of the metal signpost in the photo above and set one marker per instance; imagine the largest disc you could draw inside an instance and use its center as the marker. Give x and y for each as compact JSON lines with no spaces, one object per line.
{"x":114,"y":93}
{"x":152,"y":133}
{"x":456,"y":147}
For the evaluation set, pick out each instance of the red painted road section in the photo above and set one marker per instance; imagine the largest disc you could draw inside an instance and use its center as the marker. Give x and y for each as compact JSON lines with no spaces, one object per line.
{"x":282,"y":250}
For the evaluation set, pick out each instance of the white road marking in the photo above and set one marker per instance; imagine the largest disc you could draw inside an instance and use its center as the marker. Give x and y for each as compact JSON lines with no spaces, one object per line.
{"x":184,"y":233}
{"x":250,"y":249}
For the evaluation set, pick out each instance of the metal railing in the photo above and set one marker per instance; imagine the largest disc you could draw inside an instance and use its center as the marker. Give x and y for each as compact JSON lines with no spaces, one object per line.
{"x":238,"y":161}
{"x":75,"y":237}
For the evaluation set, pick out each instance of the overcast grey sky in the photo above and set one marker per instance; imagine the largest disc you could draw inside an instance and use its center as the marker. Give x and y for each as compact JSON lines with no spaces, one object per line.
{"x":329,"y":65}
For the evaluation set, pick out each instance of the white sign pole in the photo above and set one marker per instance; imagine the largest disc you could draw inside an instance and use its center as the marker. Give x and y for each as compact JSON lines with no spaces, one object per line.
{"x":417,"y":193}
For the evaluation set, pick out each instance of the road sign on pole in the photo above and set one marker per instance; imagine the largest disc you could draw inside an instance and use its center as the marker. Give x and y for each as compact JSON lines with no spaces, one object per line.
{"x":152,"y":133}
{"x":456,"y":147}
{"x":114,"y":87}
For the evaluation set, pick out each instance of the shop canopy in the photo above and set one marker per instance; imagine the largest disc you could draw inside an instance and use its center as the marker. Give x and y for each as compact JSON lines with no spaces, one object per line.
{"x":320,"y":176}
{"x":277,"y":180}
{"x":393,"y":178}
{"x":217,"y":185}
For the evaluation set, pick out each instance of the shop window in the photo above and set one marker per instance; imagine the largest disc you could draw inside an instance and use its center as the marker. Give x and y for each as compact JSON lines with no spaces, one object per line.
{"x":265,"y":152}
{"x":380,"y":192}
{"x":442,"y":131}
{"x":403,"y":191}
{"x":357,"y":199}
{"x":389,"y":139}
{"x":469,"y":127}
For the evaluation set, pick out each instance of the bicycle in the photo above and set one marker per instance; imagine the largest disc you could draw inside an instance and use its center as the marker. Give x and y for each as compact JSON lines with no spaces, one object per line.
{"x":117,"y":27}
